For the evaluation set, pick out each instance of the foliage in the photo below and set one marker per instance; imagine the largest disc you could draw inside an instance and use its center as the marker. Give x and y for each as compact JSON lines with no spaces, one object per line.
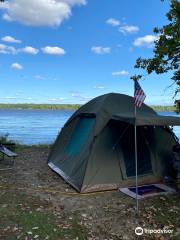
{"x":136,"y":77}
{"x":163,"y":108}
{"x":63,"y":107}
{"x":4,"y":139}
{"x":167,"y":49}
{"x":177,"y":102}
{"x":40,"y":106}
{"x":7,"y":142}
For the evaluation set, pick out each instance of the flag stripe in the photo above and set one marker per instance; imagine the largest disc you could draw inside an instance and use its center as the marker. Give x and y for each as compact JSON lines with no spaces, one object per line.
{"x":139,"y":95}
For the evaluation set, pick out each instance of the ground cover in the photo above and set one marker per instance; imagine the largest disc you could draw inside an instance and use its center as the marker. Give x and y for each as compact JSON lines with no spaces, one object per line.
{"x":35,"y":203}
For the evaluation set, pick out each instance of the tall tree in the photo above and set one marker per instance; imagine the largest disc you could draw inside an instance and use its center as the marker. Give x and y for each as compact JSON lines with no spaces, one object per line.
{"x":167,"y":48}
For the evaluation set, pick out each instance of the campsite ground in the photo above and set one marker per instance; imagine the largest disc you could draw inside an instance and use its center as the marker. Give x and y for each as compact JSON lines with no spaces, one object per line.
{"x":35,"y":203}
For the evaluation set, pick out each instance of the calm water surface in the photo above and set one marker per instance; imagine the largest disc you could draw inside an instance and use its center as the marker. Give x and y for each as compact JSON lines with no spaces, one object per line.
{"x":39,"y":126}
{"x":33,"y":126}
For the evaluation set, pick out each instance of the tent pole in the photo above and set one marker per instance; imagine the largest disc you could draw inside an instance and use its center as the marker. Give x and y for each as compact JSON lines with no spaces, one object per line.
{"x":135,"y":141}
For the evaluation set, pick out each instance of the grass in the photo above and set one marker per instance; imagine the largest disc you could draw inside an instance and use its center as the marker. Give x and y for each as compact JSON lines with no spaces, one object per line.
{"x":109,"y":215}
{"x":14,"y":145}
{"x":4,"y":139}
{"x":163,"y":214}
{"x":162,"y":211}
{"x":27,"y":217}
{"x":42,"y":146}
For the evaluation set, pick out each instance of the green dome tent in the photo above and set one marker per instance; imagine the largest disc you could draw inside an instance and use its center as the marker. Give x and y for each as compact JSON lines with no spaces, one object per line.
{"x":95,"y":149}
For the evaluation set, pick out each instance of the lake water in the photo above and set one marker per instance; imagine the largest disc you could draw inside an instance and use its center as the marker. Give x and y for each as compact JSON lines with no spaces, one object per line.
{"x":32,"y":126}
{"x":39,"y":126}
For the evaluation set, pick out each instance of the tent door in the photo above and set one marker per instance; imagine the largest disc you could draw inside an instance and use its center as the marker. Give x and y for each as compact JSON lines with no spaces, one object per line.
{"x":143,"y":152}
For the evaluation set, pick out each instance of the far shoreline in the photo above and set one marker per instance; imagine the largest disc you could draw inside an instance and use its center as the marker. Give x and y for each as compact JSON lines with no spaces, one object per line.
{"x":73,"y":107}
{"x":33,"y":106}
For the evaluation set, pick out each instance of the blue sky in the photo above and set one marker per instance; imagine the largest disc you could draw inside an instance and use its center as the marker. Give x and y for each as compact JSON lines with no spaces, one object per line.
{"x":69,"y":51}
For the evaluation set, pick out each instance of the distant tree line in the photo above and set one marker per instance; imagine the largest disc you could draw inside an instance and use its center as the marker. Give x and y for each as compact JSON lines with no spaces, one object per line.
{"x":64,"y":107}
{"x":40,"y":106}
{"x":159,"y":108}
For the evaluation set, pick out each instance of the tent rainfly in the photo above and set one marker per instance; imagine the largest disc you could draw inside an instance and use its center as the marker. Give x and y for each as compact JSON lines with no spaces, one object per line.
{"x":95,"y":149}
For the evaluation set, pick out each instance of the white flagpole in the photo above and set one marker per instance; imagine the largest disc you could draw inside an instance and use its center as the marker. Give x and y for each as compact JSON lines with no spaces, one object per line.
{"x":135,"y":142}
{"x":139,"y":97}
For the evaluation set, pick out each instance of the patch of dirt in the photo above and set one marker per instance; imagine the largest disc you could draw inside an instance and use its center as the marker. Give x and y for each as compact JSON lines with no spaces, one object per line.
{"x":107,"y":215}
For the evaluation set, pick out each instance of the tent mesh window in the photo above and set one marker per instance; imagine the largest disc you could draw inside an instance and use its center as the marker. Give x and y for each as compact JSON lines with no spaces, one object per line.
{"x":79,"y":136}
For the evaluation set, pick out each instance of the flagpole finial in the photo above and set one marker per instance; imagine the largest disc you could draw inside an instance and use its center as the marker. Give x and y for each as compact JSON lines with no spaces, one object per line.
{"x":136,"y":77}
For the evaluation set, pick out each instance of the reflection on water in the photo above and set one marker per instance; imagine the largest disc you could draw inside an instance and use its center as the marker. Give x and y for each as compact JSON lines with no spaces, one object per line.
{"x":39,"y":126}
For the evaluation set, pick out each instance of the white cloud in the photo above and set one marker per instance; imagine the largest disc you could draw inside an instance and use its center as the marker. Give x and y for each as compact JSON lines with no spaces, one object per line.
{"x":120,"y":73}
{"x":81,"y":97}
{"x":10,"y":39}
{"x":122,"y":27}
{"x":129,"y":29}
{"x":8,"y":97}
{"x":101,"y":50}
{"x":113,"y":22}
{"x":99,"y":87}
{"x":53,"y":50}
{"x":3,"y":5}
{"x":16,"y":66}
{"x":7,"y":17}
{"x":146,"y":41}
{"x":56,"y":99}
{"x":29,"y":50}
{"x":4,"y":49}
{"x":39,"y":13}
{"x":75,"y":92}
{"x":73,"y":2}
{"x":15,"y":98}
{"x":39,"y":77}
{"x":27,"y":98}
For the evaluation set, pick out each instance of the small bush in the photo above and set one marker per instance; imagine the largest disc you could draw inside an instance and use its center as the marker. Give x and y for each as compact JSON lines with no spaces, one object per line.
{"x":5,"y":141}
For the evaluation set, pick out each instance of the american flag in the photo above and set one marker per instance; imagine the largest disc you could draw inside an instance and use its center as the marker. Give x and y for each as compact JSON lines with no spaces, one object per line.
{"x":139,"y":95}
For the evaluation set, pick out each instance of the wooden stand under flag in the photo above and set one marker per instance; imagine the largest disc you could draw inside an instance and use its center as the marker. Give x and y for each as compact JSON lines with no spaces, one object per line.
{"x":139,"y":97}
